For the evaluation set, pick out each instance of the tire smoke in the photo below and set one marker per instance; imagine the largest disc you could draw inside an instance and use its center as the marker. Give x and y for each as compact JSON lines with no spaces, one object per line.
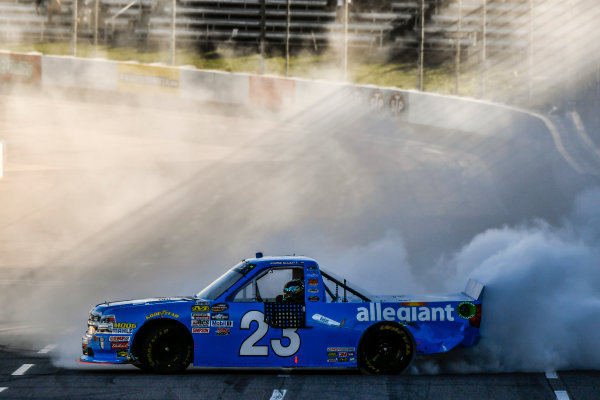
{"x":541,"y":302}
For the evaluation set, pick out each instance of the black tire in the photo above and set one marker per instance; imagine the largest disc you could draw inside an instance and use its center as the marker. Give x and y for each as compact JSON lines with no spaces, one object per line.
{"x":385,"y":348}
{"x":166,"y":349}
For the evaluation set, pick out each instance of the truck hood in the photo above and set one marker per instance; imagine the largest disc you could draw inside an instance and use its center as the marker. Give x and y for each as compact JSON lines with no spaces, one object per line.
{"x":143,"y":302}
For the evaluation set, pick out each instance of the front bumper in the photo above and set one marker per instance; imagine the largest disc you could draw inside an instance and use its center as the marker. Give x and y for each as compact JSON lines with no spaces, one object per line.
{"x":99,"y":349}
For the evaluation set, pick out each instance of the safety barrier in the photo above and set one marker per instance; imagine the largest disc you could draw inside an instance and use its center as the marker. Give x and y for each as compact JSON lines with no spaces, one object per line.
{"x":2,"y":158}
{"x":446,"y":112}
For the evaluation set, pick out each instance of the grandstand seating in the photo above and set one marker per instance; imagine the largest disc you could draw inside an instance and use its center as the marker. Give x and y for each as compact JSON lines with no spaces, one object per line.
{"x":314,"y":23}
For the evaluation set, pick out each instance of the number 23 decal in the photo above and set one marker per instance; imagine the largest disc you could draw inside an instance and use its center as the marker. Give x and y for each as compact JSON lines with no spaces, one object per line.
{"x":249,"y":346}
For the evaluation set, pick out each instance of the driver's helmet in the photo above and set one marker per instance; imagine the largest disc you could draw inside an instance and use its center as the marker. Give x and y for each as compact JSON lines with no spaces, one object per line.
{"x":293,"y":291}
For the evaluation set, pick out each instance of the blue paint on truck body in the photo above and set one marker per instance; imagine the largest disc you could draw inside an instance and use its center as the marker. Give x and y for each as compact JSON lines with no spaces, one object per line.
{"x":244,"y":320}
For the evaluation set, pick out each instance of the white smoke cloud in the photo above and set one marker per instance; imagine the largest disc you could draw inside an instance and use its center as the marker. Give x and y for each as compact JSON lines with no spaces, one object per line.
{"x":541,"y":303}
{"x":380,"y":266}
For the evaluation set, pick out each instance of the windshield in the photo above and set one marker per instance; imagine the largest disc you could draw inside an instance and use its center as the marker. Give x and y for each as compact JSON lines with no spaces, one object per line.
{"x":225,"y":281}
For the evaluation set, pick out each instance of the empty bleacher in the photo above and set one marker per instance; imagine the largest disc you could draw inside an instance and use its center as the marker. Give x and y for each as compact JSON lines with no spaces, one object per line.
{"x":313,"y":23}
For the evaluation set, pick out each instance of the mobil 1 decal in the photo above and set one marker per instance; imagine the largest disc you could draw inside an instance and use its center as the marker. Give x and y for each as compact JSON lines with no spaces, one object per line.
{"x":249,"y":346}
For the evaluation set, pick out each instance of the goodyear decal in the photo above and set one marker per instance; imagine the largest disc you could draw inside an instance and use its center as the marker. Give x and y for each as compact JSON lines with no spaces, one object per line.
{"x":162,"y":314}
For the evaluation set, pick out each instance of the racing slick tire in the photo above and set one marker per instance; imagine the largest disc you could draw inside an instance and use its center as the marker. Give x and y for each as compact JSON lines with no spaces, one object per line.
{"x":385,"y":349}
{"x":166,"y":349}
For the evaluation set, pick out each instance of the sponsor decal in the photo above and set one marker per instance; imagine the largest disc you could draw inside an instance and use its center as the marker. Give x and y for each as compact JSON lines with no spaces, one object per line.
{"x":466,"y":310}
{"x":313,"y":298}
{"x":22,"y":68}
{"x":222,"y":331}
{"x":200,"y":330}
{"x":342,"y":359}
{"x":122,"y":331}
{"x":338,"y":349}
{"x":119,"y":338}
{"x":397,"y":104}
{"x":119,"y":345}
{"x":219,"y":307}
{"x":220,"y":316}
{"x":200,"y":308}
{"x":350,"y":354}
{"x":404,"y":314}
{"x":313,"y":282}
{"x":162,"y":314}
{"x":286,"y":263}
{"x":202,"y":303}
{"x":221,"y":323}
{"x":122,"y":353}
{"x":343,"y":354}
{"x":147,"y":79}
{"x":332,"y":360}
{"x":127,"y":325}
{"x":313,"y":290}
{"x":199,"y":322}
{"x":332,"y":354}
{"x":311,"y":268}
{"x":376,"y":100}
{"x":352,"y":359}
{"x":202,"y":315}
{"x":312,"y":275}
{"x":324,"y":320}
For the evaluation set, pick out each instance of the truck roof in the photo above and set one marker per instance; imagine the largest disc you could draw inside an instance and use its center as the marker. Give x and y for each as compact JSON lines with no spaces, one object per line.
{"x":280,"y":258}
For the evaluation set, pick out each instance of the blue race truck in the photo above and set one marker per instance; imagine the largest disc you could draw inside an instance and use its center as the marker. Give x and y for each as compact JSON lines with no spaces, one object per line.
{"x":281,"y":312}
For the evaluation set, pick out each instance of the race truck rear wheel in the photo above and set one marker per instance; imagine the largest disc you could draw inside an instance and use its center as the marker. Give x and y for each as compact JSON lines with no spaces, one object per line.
{"x":165,"y":349}
{"x":385,"y":348}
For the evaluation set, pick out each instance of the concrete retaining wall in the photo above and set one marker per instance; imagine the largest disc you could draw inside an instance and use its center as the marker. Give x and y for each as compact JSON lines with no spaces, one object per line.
{"x":447,"y":112}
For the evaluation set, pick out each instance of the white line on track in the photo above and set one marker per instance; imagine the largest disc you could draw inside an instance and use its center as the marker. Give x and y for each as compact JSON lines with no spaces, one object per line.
{"x":561,"y":395}
{"x":47,"y":349}
{"x":2,"y":389}
{"x":22,"y":369}
{"x":278,"y":394}
{"x":551,"y":375}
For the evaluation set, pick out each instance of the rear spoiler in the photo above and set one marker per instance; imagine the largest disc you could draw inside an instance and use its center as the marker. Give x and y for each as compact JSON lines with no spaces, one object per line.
{"x":474,"y":289}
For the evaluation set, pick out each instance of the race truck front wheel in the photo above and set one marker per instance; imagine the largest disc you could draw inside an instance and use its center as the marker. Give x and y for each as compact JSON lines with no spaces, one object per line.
{"x":166,"y":349}
{"x":385,"y":348}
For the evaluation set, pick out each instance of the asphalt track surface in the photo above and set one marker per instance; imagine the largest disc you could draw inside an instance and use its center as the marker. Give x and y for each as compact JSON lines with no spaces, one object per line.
{"x":104,"y":200}
{"x":29,"y":374}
